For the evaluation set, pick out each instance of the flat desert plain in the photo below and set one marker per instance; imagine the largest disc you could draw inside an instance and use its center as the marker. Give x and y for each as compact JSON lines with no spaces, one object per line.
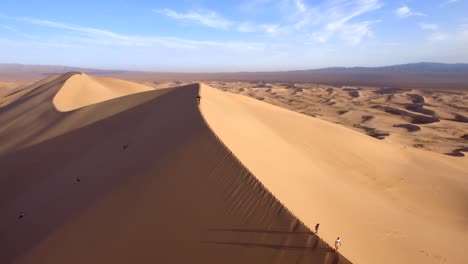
{"x":103,"y":170}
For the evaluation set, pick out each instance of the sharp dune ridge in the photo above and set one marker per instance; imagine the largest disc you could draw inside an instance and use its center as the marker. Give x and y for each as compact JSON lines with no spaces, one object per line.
{"x":142,"y":180}
{"x":110,"y":175}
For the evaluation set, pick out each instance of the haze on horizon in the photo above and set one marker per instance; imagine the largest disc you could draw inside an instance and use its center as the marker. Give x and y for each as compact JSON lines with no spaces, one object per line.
{"x":251,"y":35}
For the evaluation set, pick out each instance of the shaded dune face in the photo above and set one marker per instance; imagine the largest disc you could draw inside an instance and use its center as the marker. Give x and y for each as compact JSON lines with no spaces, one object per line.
{"x":136,"y":179}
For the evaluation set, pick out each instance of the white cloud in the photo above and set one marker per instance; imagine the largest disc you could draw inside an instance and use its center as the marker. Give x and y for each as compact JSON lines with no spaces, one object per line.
{"x":426,"y":26}
{"x":204,"y":17}
{"x":356,"y":32}
{"x":269,"y":29}
{"x":90,"y":35}
{"x":9,"y":28}
{"x":337,"y":20}
{"x":438,"y":36}
{"x":448,"y":2}
{"x":405,"y":12}
{"x":458,"y":36}
{"x":86,"y":30}
{"x":300,"y":5}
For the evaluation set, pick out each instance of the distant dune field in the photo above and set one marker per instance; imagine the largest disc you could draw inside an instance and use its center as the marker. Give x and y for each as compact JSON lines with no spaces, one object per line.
{"x":429,"y":119}
{"x":100,"y":170}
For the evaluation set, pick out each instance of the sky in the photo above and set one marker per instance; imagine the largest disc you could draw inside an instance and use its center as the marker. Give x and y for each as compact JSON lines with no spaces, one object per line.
{"x":243,"y":35}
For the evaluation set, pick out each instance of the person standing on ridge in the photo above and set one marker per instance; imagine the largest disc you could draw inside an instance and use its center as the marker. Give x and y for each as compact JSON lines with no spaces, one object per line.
{"x":317,"y":228}
{"x":337,"y":243}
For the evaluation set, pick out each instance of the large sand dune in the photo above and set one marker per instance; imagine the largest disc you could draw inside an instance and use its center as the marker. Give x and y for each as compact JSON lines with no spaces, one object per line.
{"x":136,"y":179}
{"x":391,"y":204}
{"x":148,"y":177}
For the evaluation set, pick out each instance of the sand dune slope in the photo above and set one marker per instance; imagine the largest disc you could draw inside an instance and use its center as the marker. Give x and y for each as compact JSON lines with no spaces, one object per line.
{"x":137,"y":179}
{"x":389,"y":203}
{"x":82,"y":90}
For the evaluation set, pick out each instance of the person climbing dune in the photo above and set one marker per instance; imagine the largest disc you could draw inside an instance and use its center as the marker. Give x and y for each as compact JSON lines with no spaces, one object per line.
{"x":21,"y":215}
{"x":198,"y":99}
{"x":337,"y":243}
{"x":317,"y":228}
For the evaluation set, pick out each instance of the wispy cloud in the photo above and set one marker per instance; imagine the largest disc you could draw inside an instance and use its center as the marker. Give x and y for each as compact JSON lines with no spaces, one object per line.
{"x":300,"y":5}
{"x":91,"y":35}
{"x":438,"y":36}
{"x":449,"y":2}
{"x":269,"y":29}
{"x":339,"y":19}
{"x":405,"y":12}
{"x":9,"y":28}
{"x":457,"y":36}
{"x":215,"y":20}
{"x":426,"y":26}
{"x":203,"y":17}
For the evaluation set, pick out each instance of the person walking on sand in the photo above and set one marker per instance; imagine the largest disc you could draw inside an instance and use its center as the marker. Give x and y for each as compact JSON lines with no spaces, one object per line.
{"x":198,"y":99}
{"x":317,"y":228}
{"x":337,"y":243}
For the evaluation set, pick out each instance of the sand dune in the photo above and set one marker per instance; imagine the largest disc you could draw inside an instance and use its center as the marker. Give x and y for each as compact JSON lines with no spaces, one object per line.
{"x":441,"y":111}
{"x":106,"y":176}
{"x":82,"y":90}
{"x":136,"y":179}
{"x":390,"y":204}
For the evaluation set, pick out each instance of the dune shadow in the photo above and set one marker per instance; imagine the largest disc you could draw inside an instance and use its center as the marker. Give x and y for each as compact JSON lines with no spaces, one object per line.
{"x":240,"y":230}
{"x":270,"y":246}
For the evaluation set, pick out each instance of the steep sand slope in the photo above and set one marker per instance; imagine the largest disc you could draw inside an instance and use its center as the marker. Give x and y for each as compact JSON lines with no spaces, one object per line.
{"x":390,"y":204}
{"x":174,"y":195}
{"x":82,"y":90}
{"x":31,"y":117}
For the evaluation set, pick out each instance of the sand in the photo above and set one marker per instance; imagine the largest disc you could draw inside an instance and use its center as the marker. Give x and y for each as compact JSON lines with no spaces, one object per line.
{"x":384,"y":113}
{"x":80,"y":91}
{"x":136,"y":179}
{"x":108,"y":176}
{"x":391,"y":204}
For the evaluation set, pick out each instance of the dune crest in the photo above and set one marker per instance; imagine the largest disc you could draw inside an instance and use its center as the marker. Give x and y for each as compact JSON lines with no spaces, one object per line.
{"x":82,"y":90}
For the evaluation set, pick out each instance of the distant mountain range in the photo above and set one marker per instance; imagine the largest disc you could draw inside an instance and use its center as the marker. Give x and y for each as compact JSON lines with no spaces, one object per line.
{"x":421,"y":67}
{"x":413,"y":75}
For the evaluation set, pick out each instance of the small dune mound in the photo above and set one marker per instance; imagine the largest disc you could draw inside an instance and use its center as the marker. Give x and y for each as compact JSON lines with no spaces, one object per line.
{"x":353,"y":92}
{"x":342,"y":112}
{"x":465,"y":136}
{"x":366,"y":118}
{"x":82,"y":90}
{"x":458,"y":152}
{"x":419,"y":108}
{"x":416,"y":98}
{"x":373,"y":132}
{"x":409,"y":127}
{"x":298,"y":90}
{"x":459,"y":118}
{"x":412,"y":118}
{"x":388,"y":90}
{"x":330,"y":90}
{"x":262,"y":84}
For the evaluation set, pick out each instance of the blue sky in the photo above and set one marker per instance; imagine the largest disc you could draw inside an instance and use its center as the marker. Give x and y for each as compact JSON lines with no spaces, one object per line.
{"x":250,"y":35}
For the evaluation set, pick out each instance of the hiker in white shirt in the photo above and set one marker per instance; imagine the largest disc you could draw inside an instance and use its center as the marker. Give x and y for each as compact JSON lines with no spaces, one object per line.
{"x":337,"y":243}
